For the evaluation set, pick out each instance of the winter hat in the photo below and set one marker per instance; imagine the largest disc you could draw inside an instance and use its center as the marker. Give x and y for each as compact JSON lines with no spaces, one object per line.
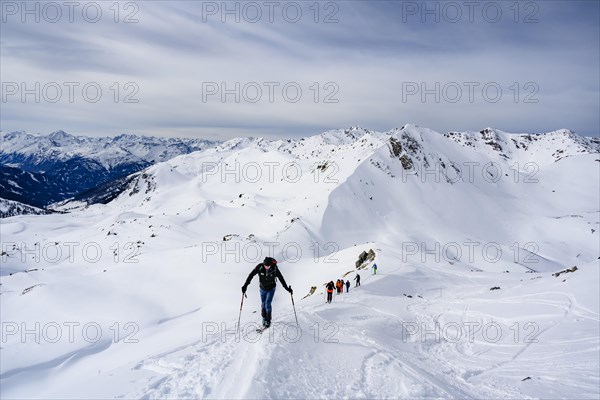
{"x":269,"y":261}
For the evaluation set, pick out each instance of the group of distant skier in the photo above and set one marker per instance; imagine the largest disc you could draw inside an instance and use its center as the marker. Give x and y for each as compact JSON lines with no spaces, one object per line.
{"x":338,"y":286}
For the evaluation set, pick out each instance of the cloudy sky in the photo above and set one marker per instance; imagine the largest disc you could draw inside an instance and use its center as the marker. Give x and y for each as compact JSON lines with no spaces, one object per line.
{"x":289,"y":69}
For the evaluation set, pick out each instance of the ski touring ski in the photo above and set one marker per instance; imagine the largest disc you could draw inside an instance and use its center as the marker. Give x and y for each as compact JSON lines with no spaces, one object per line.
{"x":262,"y":329}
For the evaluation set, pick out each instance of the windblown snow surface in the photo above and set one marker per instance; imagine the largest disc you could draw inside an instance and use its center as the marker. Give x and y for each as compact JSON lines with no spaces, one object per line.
{"x":139,"y":298}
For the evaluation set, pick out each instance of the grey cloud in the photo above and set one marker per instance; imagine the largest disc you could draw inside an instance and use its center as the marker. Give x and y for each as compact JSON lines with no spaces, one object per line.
{"x":370,"y":53}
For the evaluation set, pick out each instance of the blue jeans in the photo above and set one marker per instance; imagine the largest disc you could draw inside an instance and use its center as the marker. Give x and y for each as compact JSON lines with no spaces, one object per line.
{"x":266,"y":297}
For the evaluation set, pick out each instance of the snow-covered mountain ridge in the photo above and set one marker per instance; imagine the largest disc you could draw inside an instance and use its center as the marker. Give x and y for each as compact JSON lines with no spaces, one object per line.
{"x":516,"y":152}
{"x":315,"y":181}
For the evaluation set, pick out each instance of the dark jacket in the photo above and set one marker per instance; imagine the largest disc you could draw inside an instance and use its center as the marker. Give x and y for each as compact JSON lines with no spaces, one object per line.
{"x":266,"y":278}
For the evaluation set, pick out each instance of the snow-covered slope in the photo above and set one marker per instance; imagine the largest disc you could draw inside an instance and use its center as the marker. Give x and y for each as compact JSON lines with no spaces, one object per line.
{"x":468,"y":231}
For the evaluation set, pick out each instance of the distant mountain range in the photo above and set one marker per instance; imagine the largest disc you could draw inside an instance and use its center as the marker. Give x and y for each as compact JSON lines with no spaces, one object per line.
{"x":61,"y":171}
{"x":39,"y":170}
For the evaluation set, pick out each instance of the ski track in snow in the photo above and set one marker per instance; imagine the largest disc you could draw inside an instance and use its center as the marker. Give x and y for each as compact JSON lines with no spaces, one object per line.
{"x":274,"y":367}
{"x":354,"y":361}
{"x":566,"y":308}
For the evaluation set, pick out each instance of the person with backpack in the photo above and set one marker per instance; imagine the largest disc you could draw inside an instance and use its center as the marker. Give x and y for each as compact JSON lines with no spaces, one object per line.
{"x":347,"y":286}
{"x":374,"y":269}
{"x":357,"y":279}
{"x":267,"y":272}
{"x":329,"y":291}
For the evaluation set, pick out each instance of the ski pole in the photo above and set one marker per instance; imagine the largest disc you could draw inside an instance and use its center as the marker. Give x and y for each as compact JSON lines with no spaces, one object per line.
{"x":293,"y":305}
{"x":240,"y":317}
